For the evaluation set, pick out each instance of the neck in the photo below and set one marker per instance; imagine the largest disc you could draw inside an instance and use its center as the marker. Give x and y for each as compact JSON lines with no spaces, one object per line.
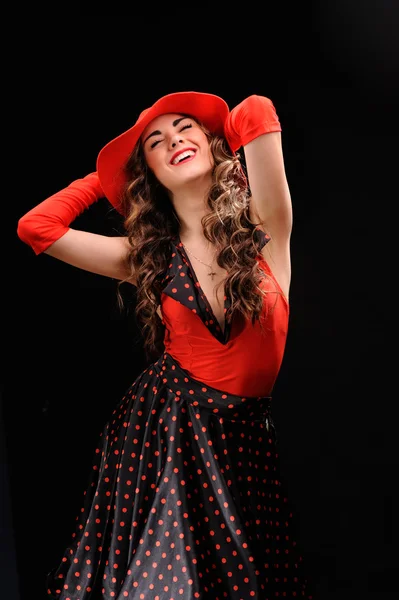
{"x":191,"y":206}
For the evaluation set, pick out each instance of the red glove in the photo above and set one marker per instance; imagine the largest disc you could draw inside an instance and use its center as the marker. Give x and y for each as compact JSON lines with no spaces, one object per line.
{"x":50,"y":220}
{"x":248,"y":120}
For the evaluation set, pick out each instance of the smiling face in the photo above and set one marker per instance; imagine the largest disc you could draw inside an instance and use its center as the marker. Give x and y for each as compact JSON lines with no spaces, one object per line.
{"x":177,"y":150}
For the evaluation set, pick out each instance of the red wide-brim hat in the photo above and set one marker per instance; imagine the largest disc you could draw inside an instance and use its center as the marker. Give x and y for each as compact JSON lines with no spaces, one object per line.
{"x":210,"y":110}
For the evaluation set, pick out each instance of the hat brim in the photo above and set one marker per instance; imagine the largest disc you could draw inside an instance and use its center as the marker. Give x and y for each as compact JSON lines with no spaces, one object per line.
{"x":210,"y":110}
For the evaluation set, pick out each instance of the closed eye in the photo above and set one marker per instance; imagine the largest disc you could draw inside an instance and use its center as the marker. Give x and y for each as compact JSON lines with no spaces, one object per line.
{"x":187,"y":126}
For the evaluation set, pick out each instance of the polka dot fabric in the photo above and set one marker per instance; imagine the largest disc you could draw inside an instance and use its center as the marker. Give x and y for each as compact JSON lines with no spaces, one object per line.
{"x":184,"y":500}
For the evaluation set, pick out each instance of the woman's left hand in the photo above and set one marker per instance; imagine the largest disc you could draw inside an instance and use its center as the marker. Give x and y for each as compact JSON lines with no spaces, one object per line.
{"x":251,"y":118}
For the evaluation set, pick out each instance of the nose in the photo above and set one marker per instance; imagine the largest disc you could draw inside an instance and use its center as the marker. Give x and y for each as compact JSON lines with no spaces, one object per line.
{"x":175,"y":140}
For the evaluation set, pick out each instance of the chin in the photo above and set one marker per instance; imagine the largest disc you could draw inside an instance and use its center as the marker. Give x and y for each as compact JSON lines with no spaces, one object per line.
{"x":192,"y":174}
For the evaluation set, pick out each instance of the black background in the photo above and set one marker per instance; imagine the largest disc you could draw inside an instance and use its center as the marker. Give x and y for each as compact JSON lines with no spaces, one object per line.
{"x":75,"y":82}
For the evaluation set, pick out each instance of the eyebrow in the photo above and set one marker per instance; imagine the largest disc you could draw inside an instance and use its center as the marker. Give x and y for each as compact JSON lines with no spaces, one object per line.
{"x":157,"y":132}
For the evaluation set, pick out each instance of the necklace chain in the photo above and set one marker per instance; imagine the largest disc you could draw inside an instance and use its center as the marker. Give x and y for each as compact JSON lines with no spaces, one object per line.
{"x":211,"y":273}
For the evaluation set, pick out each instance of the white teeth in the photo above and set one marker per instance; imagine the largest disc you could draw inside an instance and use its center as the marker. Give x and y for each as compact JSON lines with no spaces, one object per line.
{"x":182,"y":156}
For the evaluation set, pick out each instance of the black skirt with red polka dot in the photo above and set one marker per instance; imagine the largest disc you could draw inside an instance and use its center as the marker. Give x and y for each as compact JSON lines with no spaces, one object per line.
{"x":185,"y":501}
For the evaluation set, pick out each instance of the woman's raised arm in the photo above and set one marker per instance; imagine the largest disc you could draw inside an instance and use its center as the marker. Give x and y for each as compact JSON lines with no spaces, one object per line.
{"x":47,"y":228}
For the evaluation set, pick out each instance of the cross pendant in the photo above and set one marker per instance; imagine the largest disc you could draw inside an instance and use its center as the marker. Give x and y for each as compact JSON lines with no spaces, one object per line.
{"x":212,"y":274}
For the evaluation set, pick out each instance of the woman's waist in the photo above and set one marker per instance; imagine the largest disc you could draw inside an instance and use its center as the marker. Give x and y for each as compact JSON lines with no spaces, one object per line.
{"x":242,"y":372}
{"x":218,"y":400}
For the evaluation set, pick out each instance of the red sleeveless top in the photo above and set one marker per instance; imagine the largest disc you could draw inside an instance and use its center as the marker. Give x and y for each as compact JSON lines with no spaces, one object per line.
{"x":241,"y":360}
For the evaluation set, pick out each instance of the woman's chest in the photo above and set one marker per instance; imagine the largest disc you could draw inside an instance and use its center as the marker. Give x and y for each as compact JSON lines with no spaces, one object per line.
{"x":210,"y":282}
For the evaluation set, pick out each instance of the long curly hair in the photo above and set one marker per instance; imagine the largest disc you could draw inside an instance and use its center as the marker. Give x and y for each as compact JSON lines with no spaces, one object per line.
{"x":152,"y":222}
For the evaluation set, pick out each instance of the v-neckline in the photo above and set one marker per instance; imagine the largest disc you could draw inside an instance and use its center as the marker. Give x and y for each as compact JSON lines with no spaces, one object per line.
{"x":204,"y":296}
{"x":182,"y":285}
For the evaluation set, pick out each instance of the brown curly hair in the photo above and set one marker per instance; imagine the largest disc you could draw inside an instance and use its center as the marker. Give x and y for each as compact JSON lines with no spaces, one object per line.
{"x":152,"y":222}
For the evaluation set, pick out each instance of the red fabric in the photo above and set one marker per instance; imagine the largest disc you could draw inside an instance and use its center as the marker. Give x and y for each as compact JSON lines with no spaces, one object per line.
{"x":248,"y":120}
{"x":249,"y":363}
{"x":48,"y":221}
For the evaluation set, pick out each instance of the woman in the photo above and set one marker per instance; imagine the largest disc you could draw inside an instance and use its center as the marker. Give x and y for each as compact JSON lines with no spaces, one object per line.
{"x":185,"y":500}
